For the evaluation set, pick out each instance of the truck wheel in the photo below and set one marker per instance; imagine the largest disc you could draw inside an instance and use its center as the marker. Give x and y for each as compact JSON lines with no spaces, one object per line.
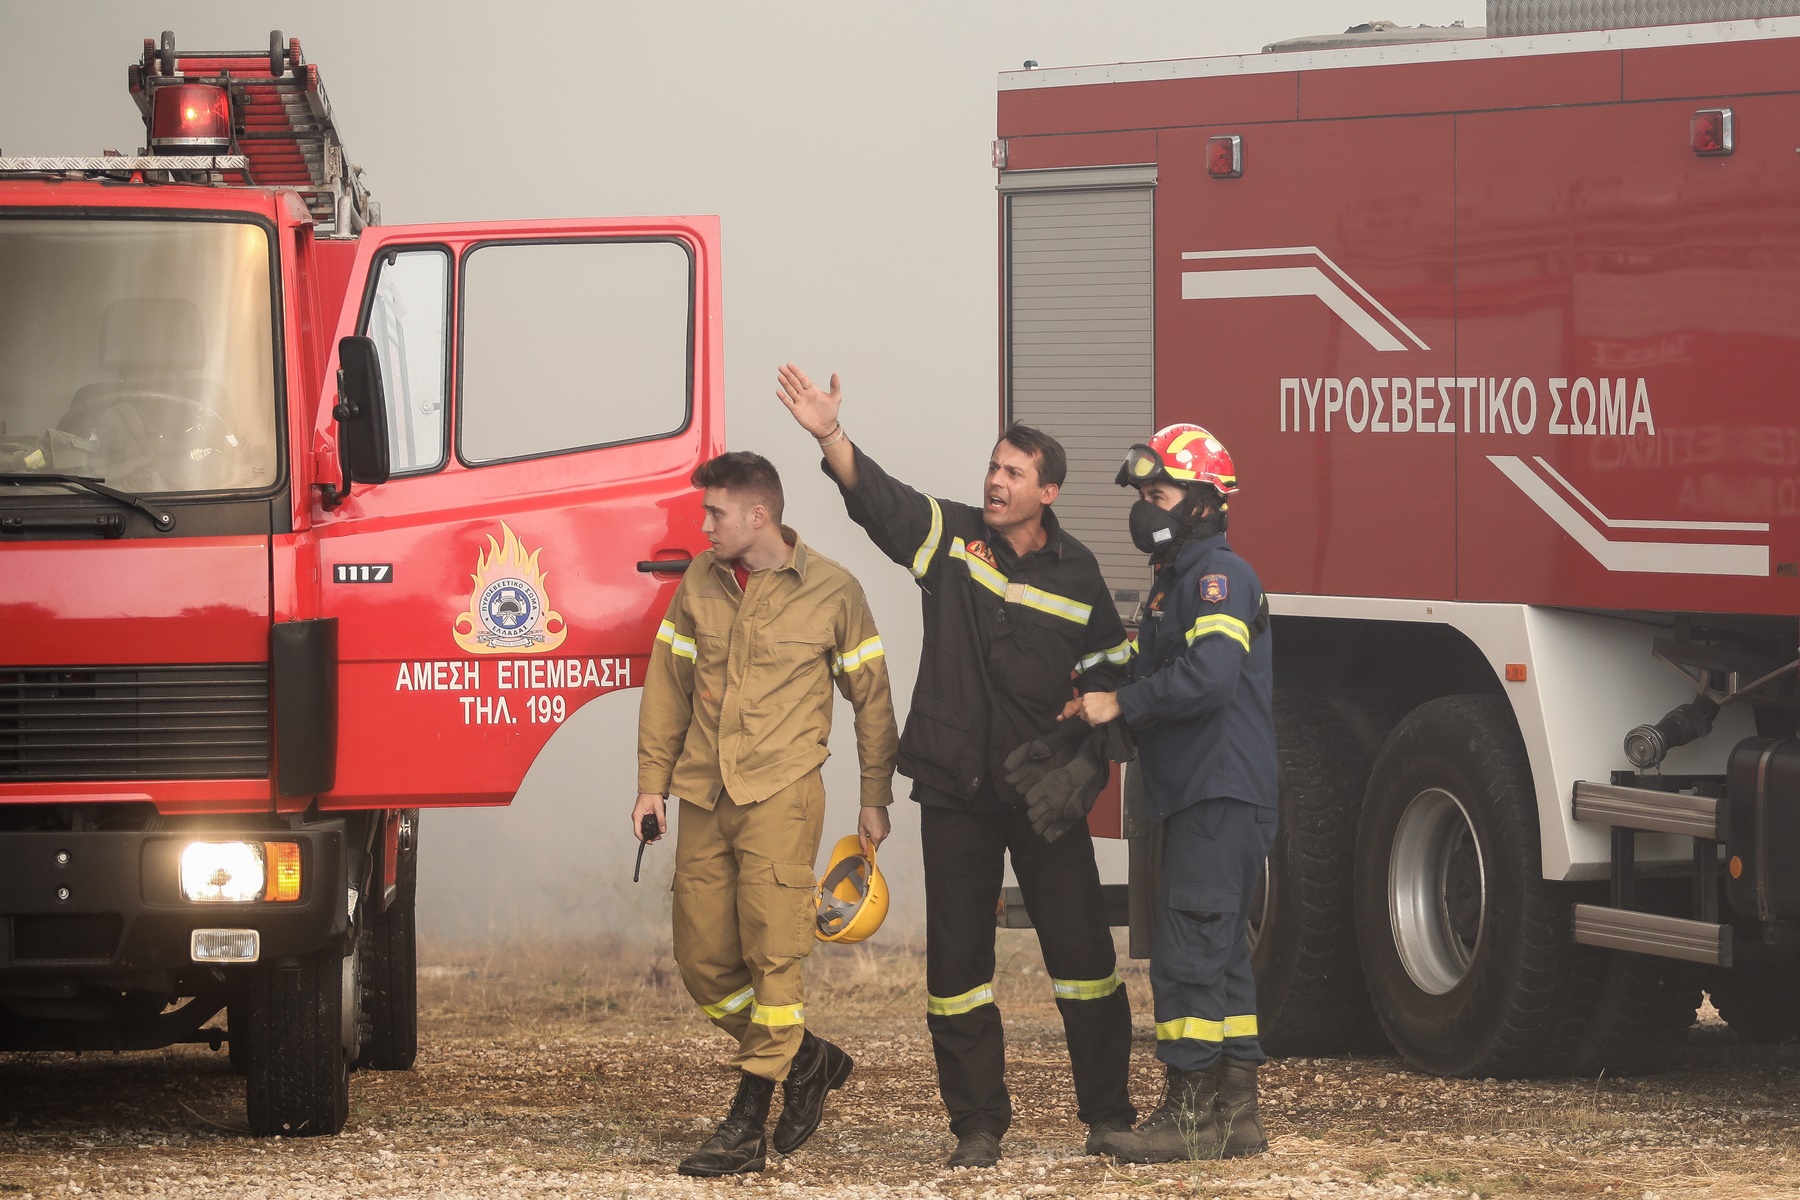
{"x":237,"y":1035}
{"x":1465,"y":946}
{"x":390,"y":969}
{"x":1641,"y":1009}
{"x":1371,"y":714}
{"x":1309,"y":986}
{"x":302,"y":1031}
{"x":1757,"y":1001}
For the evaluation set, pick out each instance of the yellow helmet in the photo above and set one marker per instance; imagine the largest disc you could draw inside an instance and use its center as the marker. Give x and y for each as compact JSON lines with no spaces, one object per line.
{"x":852,"y":897}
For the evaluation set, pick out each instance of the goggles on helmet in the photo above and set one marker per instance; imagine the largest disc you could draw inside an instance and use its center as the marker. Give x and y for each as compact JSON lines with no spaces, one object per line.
{"x":1143,"y":466}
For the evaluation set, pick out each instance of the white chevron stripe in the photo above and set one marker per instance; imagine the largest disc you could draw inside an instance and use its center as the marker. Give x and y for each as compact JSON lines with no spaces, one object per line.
{"x":1658,"y":558}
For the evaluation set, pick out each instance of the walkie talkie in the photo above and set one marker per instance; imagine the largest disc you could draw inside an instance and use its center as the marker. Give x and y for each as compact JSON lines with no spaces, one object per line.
{"x":648,"y":828}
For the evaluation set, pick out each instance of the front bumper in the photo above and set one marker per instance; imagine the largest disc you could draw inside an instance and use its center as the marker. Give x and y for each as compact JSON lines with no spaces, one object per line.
{"x":93,"y":904}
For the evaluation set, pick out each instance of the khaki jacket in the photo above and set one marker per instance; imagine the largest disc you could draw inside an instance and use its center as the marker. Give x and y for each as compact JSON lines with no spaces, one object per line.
{"x":738,"y":698}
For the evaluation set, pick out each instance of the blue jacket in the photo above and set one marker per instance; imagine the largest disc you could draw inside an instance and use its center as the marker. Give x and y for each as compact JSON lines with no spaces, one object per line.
{"x":1202,"y":684}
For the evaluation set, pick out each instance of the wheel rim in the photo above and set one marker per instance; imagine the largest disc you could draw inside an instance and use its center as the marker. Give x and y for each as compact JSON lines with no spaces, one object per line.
{"x":1259,"y":907}
{"x":1437,"y":891}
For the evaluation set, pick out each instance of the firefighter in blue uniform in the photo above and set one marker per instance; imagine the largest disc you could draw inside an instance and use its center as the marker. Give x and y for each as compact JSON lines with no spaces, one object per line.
{"x":1199,"y":703}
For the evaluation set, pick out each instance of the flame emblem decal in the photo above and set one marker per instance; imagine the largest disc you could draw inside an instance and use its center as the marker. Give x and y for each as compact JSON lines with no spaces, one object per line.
{"x":509,"y":608}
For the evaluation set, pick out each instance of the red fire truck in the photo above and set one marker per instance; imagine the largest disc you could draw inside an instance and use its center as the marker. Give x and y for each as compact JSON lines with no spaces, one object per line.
{"x":307,"y":523}
{"x":1500,"y":332}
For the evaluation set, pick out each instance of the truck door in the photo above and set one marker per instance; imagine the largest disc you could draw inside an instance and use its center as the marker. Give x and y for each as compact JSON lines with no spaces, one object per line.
{"x":549,"y":386}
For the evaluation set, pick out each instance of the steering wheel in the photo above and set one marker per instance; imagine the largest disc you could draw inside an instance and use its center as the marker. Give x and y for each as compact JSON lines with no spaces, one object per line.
{"x":170,"y":430}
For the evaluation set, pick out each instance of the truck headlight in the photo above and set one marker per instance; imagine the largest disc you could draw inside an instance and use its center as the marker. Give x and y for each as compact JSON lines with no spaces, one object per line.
{"x":226,"y":872}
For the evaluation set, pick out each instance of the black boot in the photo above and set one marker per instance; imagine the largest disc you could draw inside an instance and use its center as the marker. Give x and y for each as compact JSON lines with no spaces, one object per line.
{"x":1240,"y":1125}
{"x":737,"y":1146}
{"x":1099,"y":1131}
{"x":1184,"y":1125}
{"x":819,"y":1068}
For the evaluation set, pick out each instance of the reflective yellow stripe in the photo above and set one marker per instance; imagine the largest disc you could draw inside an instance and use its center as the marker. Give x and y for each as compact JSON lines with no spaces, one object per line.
{"x":1205,"y":1031}
{"x":736,"y":1002}
{"x":1119,"y":656}
{"x":1240,"y":1026}
{"x":857,"y":657}
{"x":950,"y":1006}
{"x":1061,"y":606}
{"x":922,"y":560}
{"x":1231,"y":627}
{"x":1020,"y":593}
{"x":983,"y":574}
{"x":676,"y":643}
{"x":1190,"y":1027}
{"x":775,"y":1015}
{"x":1085,"y":989}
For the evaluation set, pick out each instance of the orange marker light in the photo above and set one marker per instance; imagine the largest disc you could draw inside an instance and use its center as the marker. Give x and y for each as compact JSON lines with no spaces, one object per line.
{"x":284,"y":870}
{"x":1515,"y":672}
{"x":1736,"y":867}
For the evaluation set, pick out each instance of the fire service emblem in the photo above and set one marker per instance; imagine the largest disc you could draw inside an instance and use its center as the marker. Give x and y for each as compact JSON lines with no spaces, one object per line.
{"x":509,"y":608}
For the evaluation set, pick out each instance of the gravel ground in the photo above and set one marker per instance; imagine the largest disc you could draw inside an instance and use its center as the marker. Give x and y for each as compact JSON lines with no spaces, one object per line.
{"x":580,"y":1070}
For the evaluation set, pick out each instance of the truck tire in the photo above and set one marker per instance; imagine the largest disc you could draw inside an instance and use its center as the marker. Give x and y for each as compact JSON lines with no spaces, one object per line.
{"x":1371,"y":714}
{"x":1757,"y":999}
{"x":390,"y":970}
{"x":1465,"y":946}
{"x":237,"y":1034}
{"x":1310,"y":994}
{"x":1642,"y":1008}
{"x":300,"y":1044}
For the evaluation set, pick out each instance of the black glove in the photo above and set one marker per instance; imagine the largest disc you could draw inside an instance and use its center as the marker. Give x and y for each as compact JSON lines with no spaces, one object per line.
{"x":1027,"y":765}
{"x":1116,"y":737}
{"x":1065,"y":794}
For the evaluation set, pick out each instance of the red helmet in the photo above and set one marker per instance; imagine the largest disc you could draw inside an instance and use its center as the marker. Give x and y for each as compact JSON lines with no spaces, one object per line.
{"x":1179,"y":454}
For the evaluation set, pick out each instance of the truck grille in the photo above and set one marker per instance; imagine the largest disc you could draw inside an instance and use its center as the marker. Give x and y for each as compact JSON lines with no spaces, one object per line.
{"x":75,"y":723}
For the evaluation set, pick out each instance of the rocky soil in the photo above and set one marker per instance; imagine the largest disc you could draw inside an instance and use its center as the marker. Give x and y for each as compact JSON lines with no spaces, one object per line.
{"x":551,"y":1070}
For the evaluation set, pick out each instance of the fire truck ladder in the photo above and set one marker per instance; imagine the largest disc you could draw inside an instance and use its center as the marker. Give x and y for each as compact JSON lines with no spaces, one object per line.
{"x":281,"y":123}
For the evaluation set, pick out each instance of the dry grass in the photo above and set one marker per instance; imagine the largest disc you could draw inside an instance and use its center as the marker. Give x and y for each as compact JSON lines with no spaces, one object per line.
{"x":581,"y":1069}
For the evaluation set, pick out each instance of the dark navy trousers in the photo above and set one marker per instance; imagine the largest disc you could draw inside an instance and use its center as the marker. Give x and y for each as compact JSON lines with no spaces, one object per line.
{"x":1200,"y":972}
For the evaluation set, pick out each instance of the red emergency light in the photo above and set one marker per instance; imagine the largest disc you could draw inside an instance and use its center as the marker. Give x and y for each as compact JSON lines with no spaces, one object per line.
{"x":1225,"y":156}
{"x":1710,"y":132}
{"x":191,"y":118}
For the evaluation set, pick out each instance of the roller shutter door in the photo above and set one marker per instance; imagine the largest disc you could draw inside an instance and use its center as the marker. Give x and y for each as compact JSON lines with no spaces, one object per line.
{"x":1079,"y":326}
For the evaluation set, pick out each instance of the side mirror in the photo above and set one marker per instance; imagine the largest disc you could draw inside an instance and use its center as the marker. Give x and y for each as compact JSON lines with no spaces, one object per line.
{"x":361,"y":414}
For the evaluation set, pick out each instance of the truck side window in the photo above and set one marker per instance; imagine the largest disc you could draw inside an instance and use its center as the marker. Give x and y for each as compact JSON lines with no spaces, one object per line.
{"x":568,"y":346}
{"x":408,"y":317}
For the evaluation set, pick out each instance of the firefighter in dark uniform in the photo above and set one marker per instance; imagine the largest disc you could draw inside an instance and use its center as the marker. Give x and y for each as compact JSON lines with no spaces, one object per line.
{"x":1199,"y":703}
{"x":1015,"y":611}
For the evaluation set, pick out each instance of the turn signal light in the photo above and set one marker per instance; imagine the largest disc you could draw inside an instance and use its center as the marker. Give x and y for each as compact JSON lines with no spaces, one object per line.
{"x":1710,"y":132}
{"x":191,"y":118}
{"x":1225,"y":156}
{"x":284,"y":870}
{"x":1515,"y":672}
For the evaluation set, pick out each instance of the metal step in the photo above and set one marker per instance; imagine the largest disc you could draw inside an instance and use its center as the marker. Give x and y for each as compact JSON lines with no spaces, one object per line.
{"x":1658,"y":812}
{"x":1649,"y":933}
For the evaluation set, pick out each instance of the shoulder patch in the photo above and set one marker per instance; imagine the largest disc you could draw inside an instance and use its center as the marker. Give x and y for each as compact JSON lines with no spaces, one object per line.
{"x":1214,"y":588}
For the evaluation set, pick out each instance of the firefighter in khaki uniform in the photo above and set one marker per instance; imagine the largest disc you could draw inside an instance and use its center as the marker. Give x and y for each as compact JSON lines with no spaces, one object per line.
{"x":734,"y":721}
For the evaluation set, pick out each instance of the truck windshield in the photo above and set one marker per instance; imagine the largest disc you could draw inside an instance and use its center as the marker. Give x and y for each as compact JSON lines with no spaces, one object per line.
{"x":138,"y":352}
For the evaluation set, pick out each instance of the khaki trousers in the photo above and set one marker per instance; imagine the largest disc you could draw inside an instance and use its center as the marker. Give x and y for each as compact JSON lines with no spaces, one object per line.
{"x":744,"y":917}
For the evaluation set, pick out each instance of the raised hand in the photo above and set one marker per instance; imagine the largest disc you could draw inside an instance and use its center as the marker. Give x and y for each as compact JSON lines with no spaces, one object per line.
{"x":815,"y":410}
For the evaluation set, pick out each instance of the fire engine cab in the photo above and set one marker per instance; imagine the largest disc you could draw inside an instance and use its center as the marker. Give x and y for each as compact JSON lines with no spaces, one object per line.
{"x":1500,"y":329}
{"x":307,"y":523}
